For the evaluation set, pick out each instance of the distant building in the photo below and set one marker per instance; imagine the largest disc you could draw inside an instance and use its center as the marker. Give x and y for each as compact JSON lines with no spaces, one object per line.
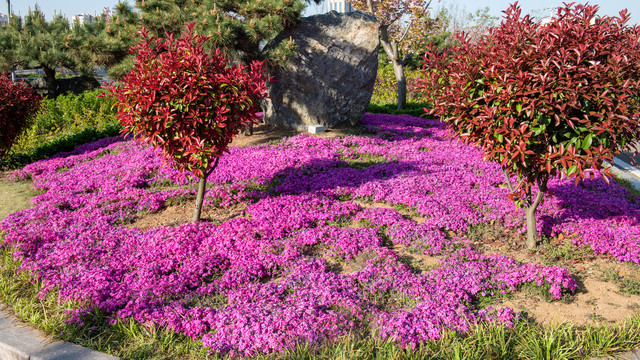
{"x":4,"y":20}
{"x":82,"y":19}
{"x":341,"y":6}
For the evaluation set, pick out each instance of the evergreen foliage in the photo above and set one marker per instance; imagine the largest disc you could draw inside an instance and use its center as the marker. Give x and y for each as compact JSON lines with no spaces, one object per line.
{"x":239,"y":28}
{"x":33,"y":41}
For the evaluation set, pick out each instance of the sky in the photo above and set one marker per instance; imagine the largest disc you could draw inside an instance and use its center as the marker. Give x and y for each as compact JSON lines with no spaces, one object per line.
{"x":71,"y":7}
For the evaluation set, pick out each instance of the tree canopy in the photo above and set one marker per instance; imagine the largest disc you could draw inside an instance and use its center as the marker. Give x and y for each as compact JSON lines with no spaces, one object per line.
{"x":240,"y":28}
{"x":33,"y":41}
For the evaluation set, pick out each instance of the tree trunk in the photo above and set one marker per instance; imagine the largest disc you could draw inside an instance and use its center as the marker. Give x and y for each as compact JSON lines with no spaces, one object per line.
{"x":530,"y":211}
{"x":202,"y":186}
{"x":401,"y":81}
{"x":532,"y":231}
{"x":50,"y":78}
{"x":392,"y":51}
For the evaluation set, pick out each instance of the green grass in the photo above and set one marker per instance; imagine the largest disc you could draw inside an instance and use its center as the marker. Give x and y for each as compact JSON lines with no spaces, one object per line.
{"x":626,"y":284}
{"x":633,"y":193}
{"x":15,"y":196}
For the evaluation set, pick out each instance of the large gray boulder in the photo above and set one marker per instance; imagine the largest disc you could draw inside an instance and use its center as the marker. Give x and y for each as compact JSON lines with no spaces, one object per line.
{"x":330,"y":80}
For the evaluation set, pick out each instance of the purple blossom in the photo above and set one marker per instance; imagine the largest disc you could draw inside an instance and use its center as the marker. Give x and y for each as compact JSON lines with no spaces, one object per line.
{"x":263,"y":282}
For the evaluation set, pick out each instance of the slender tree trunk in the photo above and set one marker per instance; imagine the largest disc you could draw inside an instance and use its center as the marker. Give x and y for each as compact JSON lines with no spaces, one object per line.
{"x":202,"y":187}
{"x":401,"y":81}
{"x":530,"y":211}
{"x":50,"y":78}
{"x":532,"y":230}
{"x":391,"y":49}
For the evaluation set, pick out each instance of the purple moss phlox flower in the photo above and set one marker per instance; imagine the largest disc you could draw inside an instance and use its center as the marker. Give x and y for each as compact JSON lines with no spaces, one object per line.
{"x":267,"y":281}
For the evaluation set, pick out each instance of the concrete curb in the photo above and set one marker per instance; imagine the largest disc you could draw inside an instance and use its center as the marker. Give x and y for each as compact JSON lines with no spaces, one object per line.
{"x":626,"y":171}
{"x":22,"y":342}
{"x":631,"y":355}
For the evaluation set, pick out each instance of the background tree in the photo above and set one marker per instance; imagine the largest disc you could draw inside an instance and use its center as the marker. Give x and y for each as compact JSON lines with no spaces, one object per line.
{"x":239,"y":28}
{"x":542,"y":100}
{"x":119,"y":34}
{"x":403,"y":25}
{"x":85,"y":45}
{"x":187,"y":103}
{"x":35,"y":41}
{"x":8,"y":40}
{"x":473,"y":24}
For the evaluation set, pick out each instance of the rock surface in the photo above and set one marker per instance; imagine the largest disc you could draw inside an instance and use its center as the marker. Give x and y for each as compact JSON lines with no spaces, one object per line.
{"x":330,"y":80}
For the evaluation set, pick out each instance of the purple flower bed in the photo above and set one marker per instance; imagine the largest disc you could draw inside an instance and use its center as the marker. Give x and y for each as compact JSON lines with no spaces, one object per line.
{"x":263,"y":282}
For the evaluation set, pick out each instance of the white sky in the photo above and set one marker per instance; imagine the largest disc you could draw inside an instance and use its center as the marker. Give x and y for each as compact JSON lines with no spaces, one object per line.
{"x":72,"y":7}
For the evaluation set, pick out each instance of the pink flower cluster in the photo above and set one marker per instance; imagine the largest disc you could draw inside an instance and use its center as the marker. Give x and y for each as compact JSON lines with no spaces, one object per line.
{"x":266,"y":281}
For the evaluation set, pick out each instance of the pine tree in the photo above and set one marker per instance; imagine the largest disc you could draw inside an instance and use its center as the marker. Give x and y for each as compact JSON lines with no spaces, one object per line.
{"x":240,"y":28}
{"x":8,"y":42}
{"x":85,"y":44}
{"x":38,"y":42}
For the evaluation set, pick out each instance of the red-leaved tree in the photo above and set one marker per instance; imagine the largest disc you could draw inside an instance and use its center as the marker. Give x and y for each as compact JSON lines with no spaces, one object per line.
{"x":187,"y":103}
{"x":543,"y":100}
{"x":18,"y":103}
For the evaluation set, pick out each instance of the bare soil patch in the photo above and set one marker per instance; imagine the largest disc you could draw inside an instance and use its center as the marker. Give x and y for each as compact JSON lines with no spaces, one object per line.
{"x":265,"y":134}
{"x":181,"y":214}
{"x":608,"y":290}
{"x":595,"y":301}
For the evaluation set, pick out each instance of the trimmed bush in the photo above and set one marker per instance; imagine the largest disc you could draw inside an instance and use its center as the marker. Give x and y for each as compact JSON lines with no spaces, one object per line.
{"x":542,"y":100}
{"x":187,"y":103}
{"x":18,"y":104}
{"x":413,"y":109}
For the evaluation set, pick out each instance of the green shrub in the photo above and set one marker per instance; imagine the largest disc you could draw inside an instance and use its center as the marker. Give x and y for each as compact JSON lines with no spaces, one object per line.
{"x":412,"y":108}
{"x":65,"y":116}
{"x":55,"y":145}
{"x":385,"y":90}
{"x":62,"y":124}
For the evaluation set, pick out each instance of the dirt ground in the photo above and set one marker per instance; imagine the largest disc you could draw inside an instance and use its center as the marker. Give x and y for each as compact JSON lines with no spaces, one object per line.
{"x":608,"y":291}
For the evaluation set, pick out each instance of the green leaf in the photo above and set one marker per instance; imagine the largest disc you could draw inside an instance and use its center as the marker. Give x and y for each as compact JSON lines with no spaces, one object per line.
{"x":586,"y":143}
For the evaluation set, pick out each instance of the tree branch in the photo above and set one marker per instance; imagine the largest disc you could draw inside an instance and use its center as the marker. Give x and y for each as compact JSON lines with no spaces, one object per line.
{"x":506,"y":176}
{"x":370,"y":6}
{"x":542,"y":188}
{"x":422,"y":13}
